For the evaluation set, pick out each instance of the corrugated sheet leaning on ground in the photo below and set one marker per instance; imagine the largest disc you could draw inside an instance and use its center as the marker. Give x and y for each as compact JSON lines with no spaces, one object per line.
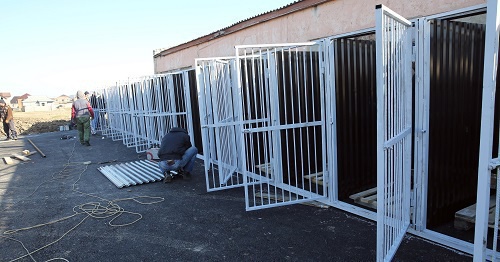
{"x":132,"y":173}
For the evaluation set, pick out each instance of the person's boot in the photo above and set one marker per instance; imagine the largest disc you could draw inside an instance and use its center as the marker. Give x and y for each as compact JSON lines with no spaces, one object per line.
{"x":87,"y":143}
{"x":167,"y":177}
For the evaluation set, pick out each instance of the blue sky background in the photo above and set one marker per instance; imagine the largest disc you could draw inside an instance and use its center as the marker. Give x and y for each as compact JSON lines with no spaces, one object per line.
{"x":55,"y":47}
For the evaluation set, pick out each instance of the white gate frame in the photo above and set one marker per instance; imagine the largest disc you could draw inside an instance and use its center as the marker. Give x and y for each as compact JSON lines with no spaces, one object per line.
{"x":267,"y":177}
{"x":486,"y":164}
{"x":220,"y":120}
{"x":394,"y":129}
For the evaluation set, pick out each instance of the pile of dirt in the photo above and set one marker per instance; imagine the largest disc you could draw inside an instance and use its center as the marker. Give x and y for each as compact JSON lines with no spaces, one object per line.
{"x":28,"y":123}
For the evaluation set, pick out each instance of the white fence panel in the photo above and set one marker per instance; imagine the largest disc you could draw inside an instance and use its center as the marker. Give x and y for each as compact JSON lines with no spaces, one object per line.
{"x":394,"y":130}
{"x":283,"y":121}
{"x":221,"y":122}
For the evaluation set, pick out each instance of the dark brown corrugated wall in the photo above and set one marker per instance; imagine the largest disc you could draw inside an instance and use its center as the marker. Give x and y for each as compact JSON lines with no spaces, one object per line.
{"x":457,"y":55}
{"x":193,"y":94}
{"x":355,"y":83}
{"x":299,"y":98}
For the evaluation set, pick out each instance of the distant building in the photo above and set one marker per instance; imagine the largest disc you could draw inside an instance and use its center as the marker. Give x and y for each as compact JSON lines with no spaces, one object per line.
{"x":17,"y":101}
{"x":5,"y":95}
{"x":63,"y":101}
{"x":38,"y":103}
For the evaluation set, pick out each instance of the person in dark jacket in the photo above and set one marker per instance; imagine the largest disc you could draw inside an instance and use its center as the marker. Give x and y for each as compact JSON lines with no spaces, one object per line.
{"x":81,"y":112}
{"x":176,"y":154}
{"x":7,"y":118}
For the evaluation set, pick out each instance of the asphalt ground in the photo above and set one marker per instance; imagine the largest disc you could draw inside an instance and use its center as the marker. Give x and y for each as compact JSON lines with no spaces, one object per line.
{"x":59,"y":209}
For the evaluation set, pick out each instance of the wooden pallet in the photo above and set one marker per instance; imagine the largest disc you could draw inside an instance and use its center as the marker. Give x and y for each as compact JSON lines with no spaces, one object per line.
{"x":366,"y":198}
{"x":286,"y":199}
{"x":316,"y":178}
{"x":265,"y":168}
{"x":466,"y":217}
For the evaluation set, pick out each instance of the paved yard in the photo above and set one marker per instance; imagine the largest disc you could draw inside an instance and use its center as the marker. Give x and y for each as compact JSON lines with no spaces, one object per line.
{"x":84,"y":217}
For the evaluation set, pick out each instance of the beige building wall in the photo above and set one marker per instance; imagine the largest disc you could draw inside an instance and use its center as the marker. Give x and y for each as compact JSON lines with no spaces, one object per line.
{"x":327,"y":19}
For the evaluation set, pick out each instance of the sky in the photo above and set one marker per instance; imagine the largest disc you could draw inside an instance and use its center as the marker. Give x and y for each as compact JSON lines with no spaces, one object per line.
{"x":56,"y":47}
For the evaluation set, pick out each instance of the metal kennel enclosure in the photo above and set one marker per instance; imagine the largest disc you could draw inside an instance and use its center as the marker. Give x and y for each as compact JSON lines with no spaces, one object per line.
{"x":405,"y":111}
{"x":282,"y":106}
{"x":262,"y":115}
{"x":141,"y":111}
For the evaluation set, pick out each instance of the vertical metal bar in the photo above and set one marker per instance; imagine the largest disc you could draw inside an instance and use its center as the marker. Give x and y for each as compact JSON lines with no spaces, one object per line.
{"x":487,"y":121}
{"x":331,"y":122}
{"x":381,"y":192}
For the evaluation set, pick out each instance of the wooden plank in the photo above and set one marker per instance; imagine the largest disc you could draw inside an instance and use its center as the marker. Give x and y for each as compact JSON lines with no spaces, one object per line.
{"x":286,"y":199}
{"x":367,"y":198}
{"x":8,"y":160}
{"x":314,"y":175}
{"x":266,"y":168}
{"x":20,"y":157}
{"x":469,"y":213}
{"x":316,"y":178}
{"x":24,"y":153}
{"x":466,"y":217}
{"x":365,"y":193}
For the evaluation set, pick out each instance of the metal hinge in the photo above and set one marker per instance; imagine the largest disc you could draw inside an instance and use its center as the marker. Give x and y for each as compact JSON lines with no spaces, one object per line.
{"x":494,"y":163}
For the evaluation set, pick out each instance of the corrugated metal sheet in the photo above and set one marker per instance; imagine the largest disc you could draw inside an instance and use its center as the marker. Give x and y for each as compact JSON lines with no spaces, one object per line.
{"x":457,"y":55}
{"x":193,"y":93}
{"x":355,"y":85}
{"x":132,"y":173}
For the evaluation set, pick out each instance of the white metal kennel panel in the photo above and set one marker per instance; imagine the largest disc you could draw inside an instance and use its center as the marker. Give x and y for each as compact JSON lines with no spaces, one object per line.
{"x":141,"y":111}
{"x":114,"y":110}
{"x":394,"y":129}
{"x":487,"y":165}
{"x":220,"y":120}
{"x":139,"y":93}
{"x":164,"y":102}
{"x":283,"y":123}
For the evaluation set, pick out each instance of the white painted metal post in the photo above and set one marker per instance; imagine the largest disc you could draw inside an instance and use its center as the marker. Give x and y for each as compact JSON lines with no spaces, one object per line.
{"x":486,"y":141}
{"x":422,"y":90}
{"x":394,"y":116}
{"x":331,"y":117}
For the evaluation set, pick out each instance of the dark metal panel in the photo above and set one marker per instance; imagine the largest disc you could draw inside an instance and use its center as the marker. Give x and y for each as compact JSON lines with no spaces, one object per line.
{"x":299,"y":96}
{"x":193,"y":93}
{"x":355,"y":84}
{"x":298,"y":89}
{"x":457,"y":55}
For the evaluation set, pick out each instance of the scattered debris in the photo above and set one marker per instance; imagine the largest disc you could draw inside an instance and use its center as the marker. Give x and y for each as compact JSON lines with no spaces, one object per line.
{"x":8,"y":160}
{"x":21,"y":157}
